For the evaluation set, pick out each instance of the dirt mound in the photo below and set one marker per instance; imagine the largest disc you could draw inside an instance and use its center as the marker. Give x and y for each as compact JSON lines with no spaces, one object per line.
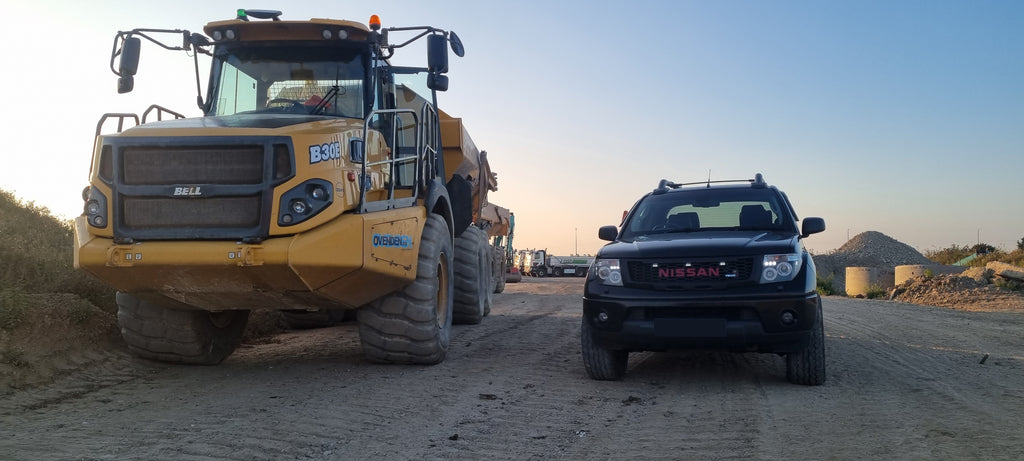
{"x":867,"y":249}
{"x":962,"y":292}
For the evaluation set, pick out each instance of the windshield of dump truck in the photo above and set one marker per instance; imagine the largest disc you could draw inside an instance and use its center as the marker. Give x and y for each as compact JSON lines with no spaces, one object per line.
{"x":293,"y":79}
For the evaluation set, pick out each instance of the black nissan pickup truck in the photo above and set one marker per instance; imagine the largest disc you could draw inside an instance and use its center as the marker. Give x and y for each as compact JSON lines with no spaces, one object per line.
{"x":709,"y":265}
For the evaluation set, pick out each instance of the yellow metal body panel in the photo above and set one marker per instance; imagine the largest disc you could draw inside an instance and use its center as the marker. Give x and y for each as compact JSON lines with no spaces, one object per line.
{"x":344,"y":263}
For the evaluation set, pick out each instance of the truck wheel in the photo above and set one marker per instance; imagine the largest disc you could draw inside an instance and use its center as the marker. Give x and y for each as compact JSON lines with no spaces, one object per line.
{"x":600,"y":363}
{"x":499,"y":271}
{"x":807,"y":367}
{"x":541,"y":272}
{"x":556,"y":273}
{"x":413,"y":325}
{"x":474,"y":288}
{"x":176,"y":335}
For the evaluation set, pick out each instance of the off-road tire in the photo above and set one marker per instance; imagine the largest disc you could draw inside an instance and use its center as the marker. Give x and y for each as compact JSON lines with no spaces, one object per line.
{"x":176,"y":335}
{"x":498,"y":269}
{"x":474,"y":288}
{"x":807,"y":367}
{"x":306,"y":320}
{"x":600,"y":363}
{"x":413,"y":325}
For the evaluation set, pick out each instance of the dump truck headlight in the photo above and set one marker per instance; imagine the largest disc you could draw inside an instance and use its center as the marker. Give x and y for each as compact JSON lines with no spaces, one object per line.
{"x":95,"y":209}
{"x":305,"y":201}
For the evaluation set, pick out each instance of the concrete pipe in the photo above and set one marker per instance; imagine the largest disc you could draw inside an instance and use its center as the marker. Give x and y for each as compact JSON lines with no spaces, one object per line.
{"x":861,"y":280}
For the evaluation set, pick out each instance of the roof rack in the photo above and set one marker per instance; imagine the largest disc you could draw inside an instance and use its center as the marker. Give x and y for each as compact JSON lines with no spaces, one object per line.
{"x":758,"y":183}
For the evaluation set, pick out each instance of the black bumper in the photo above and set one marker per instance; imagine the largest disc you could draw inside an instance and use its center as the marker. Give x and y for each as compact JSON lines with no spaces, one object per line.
{"x":751,"y":323}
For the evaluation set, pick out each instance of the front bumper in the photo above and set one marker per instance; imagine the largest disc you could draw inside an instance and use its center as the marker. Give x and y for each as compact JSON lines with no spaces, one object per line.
{"x":335,"y":265}
{"x":673,"y":321}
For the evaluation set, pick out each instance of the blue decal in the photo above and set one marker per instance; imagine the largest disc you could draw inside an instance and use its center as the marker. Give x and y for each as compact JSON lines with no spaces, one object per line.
{"x":392,"y":241}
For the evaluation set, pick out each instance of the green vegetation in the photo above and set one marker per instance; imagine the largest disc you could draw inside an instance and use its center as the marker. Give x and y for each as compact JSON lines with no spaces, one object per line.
{"x":825,"y":286}
{"x":876,"y":292}
{"x":36,"y":256}
{"x":954,"y":253}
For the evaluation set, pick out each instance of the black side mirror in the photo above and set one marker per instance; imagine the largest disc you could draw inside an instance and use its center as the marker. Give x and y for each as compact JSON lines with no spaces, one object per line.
{"x":129,"y":64}
{"x":812,"y":226}
{"x":608,"y":233}
{"x":437,"y":54}
{"x":457,"y":47}
{"x":437,"y":82}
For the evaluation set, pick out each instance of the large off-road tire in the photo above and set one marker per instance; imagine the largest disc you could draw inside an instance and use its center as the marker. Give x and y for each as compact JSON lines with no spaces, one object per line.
{"x":305,"y":320}
{"x":414,"y":324}
{"x":807,"y":367}
{"x":498,"y":269}
{"x":176,"y":335}
{"x":474,"y":288}
{"x":600,"y":363}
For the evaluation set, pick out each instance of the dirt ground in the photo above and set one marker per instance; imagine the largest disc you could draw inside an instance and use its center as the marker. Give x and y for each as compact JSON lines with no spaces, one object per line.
{"x":904,"y":382}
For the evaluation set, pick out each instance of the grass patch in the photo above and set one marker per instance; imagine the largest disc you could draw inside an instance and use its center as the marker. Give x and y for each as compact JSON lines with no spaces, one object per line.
{"x":37,"y":251}
{"x":12,"y":308}
{"x":825,"y":287}
{"x":876,"y":292}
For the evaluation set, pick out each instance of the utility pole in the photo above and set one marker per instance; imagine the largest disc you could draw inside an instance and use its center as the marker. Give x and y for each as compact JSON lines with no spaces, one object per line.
{"x":576,"y":232}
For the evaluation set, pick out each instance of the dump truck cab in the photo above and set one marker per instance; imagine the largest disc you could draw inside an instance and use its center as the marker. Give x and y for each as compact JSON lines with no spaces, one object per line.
{"x":314,"y":179}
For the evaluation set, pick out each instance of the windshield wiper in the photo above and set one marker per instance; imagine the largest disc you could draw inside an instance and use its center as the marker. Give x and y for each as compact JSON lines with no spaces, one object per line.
{"x":324,"y":101}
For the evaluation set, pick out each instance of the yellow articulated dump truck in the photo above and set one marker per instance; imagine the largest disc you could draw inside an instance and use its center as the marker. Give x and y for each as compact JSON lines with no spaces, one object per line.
{"x":320,"y":177}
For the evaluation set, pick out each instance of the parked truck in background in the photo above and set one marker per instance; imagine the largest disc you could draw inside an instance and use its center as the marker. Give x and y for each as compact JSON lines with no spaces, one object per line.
{"x":319,"y":177}
{"x":541,"y":264}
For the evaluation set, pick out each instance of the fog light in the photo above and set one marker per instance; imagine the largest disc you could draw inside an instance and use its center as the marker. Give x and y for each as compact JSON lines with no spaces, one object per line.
{"x":788,"y":317}
{"x":299,"y":207}
{"x":602,"y":317}
{"x":92,"y":207}
{"x":319,"y":193}
{"x":98,"y":221}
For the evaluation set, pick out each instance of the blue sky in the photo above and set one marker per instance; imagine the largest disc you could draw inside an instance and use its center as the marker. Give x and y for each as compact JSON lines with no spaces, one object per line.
{"x":903,"y":117}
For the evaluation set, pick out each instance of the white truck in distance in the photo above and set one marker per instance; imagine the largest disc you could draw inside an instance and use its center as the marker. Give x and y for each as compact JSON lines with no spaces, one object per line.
{"x":538,"y":263}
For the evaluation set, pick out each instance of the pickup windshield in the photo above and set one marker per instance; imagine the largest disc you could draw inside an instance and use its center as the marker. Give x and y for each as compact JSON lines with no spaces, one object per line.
{"x":707,"y":210}
{"x":294,"y":79}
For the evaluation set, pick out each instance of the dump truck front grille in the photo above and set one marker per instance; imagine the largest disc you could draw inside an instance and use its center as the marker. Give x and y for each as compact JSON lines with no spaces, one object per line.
{"x":196,"y":188}
{"x":193,"y":165}
{"x":157,"y":213}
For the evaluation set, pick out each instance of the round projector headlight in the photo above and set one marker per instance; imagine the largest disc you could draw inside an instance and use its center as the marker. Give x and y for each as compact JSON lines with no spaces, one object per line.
{"x":785,"y":269}
{"x":770,"y":274}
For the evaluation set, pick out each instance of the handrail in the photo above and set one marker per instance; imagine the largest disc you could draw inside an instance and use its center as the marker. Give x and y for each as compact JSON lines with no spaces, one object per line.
{"x":120,"y":121}
{"x":160,"y":110}
{"x":391,"y":161}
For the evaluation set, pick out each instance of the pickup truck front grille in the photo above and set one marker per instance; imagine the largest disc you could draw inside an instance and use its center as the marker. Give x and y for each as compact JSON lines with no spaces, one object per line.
{"x":683,"y":275}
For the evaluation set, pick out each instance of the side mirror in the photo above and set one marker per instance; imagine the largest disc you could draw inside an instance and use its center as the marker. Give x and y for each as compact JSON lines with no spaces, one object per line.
{"x":437,"y":54}
{"x":437,"y":82}
{"x":811,"y":226}
{"x":607,"y":233}
{"x":129,"y":57}
{"x":457,"y":47}
{"x":129,"y":64}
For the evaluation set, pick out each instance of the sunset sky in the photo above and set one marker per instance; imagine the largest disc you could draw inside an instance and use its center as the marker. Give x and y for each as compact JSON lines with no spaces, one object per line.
{"x":903,"y":117}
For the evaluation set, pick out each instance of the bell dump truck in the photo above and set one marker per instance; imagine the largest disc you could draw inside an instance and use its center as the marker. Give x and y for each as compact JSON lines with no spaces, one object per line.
{"x":319,"y":177}
{"x":500,"y":225}
{"x":541,"y":264}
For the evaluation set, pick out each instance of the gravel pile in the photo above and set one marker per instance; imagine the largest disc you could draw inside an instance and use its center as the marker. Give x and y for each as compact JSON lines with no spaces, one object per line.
{"x":867,"y":249}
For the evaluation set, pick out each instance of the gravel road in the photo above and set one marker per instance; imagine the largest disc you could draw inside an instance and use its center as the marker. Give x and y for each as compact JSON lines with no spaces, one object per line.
{"x":905,"y":382}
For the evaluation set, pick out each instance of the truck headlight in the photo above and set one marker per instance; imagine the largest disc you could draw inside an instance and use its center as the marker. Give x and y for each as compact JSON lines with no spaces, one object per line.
{"x":780,"y":268}
{"x":95,"y":208}
{"x":608,"y":271}
{"x":304,"y":201}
